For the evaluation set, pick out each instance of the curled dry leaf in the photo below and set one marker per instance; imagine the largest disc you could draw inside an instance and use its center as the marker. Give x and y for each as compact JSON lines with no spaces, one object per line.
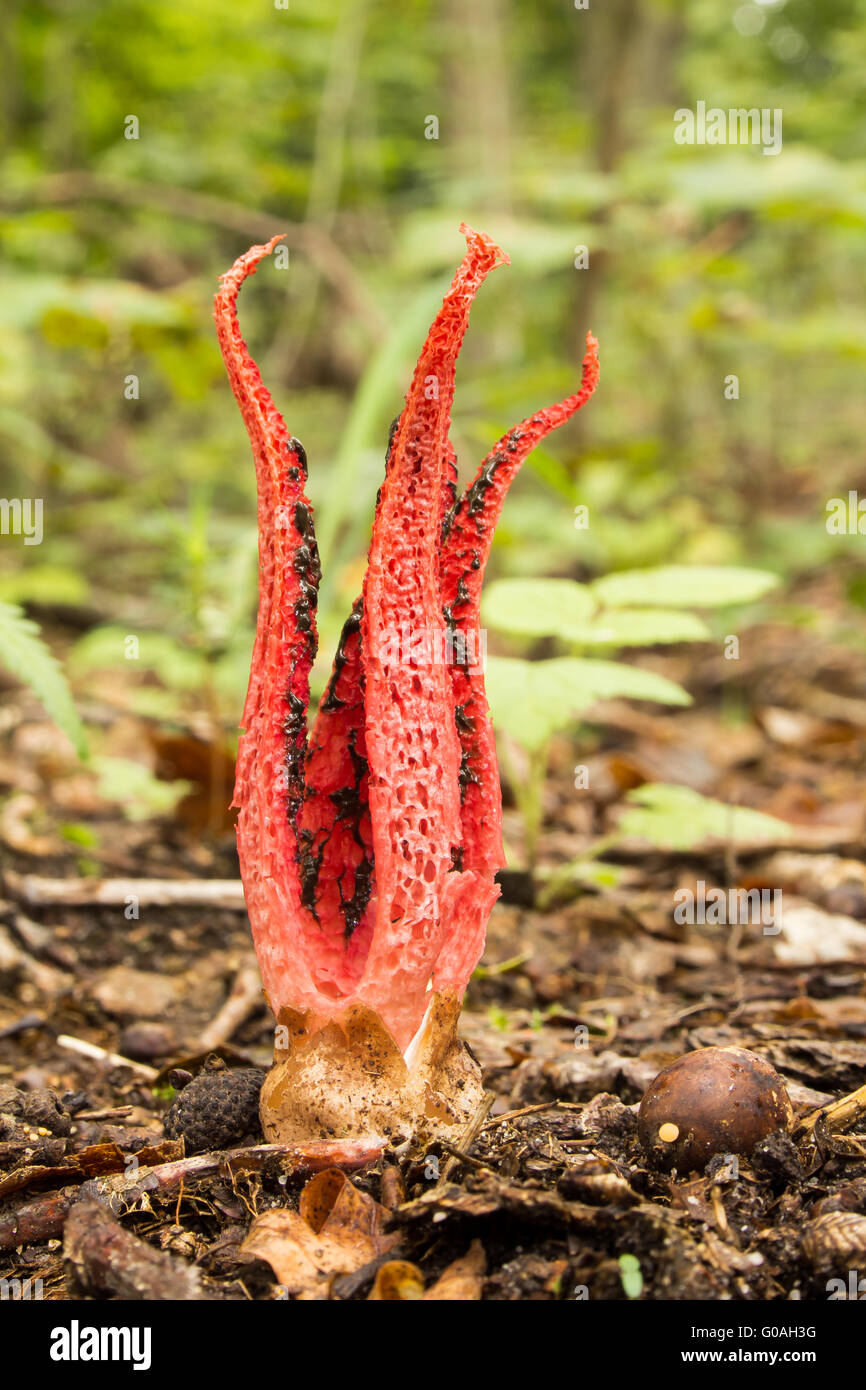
{"x":330,"y":1203}
{"x":336,"y":1230}
{"x":463,"y":1280}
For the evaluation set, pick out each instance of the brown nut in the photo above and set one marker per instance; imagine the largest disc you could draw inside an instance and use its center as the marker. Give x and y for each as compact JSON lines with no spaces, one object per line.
{"x":715,"y":1101}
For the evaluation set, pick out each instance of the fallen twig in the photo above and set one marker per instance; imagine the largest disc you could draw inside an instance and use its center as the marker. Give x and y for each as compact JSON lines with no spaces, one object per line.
{"x":43,"y":1218}
{"x":467,"y":1139}
{"x":518,"y":1114}
{"x":243,"y":1000}
{"x":99,"y":1054}
{"x":839,"y":1114}
{"x":226,"y":893}
{"x":468,"y":1159}
{"x":103,"y":1258}
{"x":120,"y":1112}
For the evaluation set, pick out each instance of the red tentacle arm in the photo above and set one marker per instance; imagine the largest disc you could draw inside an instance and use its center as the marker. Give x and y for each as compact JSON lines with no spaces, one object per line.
{"x":464,"y":560}
{"x":269,"y":785}
{"x":411,"y":739}
{"x":246,"y":383}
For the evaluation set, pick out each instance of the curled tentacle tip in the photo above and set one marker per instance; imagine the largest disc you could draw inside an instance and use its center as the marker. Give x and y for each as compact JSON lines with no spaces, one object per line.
{"x":483,"y":242}
{"x":247,"y":263}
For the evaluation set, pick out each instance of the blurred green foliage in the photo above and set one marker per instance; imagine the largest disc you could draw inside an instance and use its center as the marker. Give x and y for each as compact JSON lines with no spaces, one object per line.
{"x":23,"y":652}
{"x":555,"y":131}
{"x":532,"y":700}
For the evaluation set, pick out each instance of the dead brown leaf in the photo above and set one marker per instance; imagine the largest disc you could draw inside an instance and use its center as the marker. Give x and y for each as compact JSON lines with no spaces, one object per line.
{"x":97,"y":1159}
{"x":336,"y":1231}
{"x":463,"y":1280}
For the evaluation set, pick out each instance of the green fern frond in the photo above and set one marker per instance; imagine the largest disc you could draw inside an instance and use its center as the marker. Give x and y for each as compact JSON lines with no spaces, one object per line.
{"x":25,"y":654}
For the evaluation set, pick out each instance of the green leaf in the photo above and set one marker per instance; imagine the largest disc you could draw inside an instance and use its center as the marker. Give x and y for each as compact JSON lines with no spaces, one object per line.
{"x":25,"y":654}
{"x":79,"y":834}
{"x":677,"y":818}
{"x":684,"y":586}
{"x":636,"y":627}
{"x":537,"y":607}
{"x":532,"y":700}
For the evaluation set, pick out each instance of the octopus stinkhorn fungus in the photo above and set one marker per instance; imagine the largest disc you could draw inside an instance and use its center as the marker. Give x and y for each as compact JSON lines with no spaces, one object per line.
{"x":368,"y":844}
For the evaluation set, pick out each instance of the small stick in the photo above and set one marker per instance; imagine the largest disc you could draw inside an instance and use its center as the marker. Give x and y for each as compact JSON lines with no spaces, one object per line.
{"x":40,"y":1219}
{"x":393,"y":1191}
{"x":225,"y":893}
{"x":517,"y":1114}
{"x":20,"y":1025}
{"x":839,"y":1114}
{"x":118,"y":1113}
{"x":244,"y":998}
{"x":462,"y":1157}
{"x":487,"y":972}
{"x":99,"y":1054}
{"x":467,"y":1139}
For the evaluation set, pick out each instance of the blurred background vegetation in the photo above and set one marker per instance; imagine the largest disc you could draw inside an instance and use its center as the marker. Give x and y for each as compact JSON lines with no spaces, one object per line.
{"x":555,"y":131}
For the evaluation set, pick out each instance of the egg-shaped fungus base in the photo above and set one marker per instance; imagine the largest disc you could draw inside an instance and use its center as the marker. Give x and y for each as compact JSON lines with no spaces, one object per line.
{"x":348,"y":1082}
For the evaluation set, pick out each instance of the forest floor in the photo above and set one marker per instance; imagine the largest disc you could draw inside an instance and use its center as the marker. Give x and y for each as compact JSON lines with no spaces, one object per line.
{"x":574,"y":1011}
